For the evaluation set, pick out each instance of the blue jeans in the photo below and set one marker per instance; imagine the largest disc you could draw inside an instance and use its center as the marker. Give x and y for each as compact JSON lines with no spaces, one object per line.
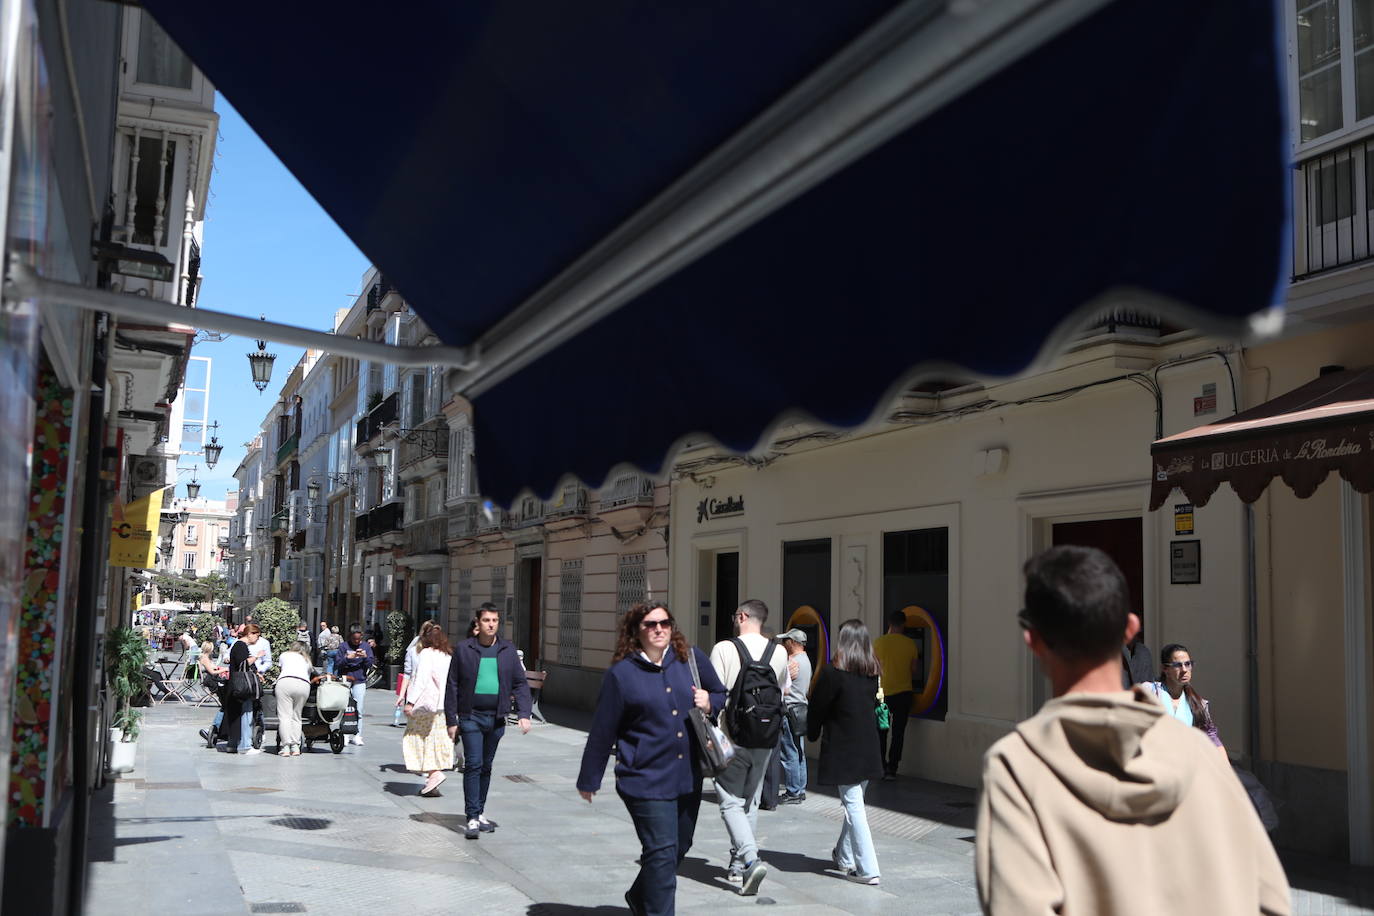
{"x":481,"y":731}
{"x":329,"y":663}
{"x":246,"y":727}
{"x":665,"y":828}
{"x":793,"y":760}
{"x":855,"y":848}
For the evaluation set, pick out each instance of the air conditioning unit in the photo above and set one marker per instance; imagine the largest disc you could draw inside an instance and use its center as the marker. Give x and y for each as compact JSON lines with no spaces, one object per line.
{"x":147,"y":472}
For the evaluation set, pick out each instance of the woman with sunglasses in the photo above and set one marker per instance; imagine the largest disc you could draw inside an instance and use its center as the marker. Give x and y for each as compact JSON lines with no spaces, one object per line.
{"x":1175,"y":691}
{"x":646,"y":698}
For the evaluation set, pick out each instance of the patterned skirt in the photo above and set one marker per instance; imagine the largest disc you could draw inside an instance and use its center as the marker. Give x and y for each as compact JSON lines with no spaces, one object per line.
{"x":426,"y":745}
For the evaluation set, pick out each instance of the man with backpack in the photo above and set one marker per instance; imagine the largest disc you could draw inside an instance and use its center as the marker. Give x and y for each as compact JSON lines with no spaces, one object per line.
{"x":753,"y":669}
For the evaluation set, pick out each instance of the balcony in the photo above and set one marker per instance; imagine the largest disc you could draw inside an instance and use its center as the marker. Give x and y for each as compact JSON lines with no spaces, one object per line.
{"x":423,"y":450}
{"x":426,"y":544}
{"x":370,"y":426}
{"x":568,"y":509}
{"x":288,"y":448}
{"x":491,"y":523}
{"x":628,"y":501}
{"x":528,"y":513}
{"x":224,"y":542}
{"x":1333,"y":209}
{"x":384,"y":521}
{"x":462,"y":522}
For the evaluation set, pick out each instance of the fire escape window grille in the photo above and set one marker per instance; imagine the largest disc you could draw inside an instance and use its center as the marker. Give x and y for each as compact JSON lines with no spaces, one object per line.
{"x":631,"y":583}
{"x":570,"y":613}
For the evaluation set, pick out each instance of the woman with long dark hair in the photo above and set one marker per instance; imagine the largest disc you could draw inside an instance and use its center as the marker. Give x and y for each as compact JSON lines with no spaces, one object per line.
{"x":238,"y":714}
{"x":842,"y":717}
{"x":1180,"y":699}
{"x":646,"y":698}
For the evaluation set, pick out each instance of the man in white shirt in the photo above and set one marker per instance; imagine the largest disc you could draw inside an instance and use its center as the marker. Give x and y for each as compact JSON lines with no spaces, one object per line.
{"x":738,"y":787}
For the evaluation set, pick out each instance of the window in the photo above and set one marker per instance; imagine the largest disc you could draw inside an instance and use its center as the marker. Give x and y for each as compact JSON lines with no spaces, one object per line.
{"x":461,"y":476}
{"x":160,"y":61}
{"x":415,"y":506}
{"x":916,"y":579}
{"x":631,"y":585}
{"x":434,"y":497}
{"x":1335,"y":65}
{"x":570,"y":613}
{"x":415,"y":399}
{"x":188,"y":561}
{"x":191,"y":534}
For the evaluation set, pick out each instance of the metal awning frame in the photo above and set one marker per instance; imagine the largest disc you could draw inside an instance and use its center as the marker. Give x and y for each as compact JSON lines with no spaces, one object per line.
{"x":24,"y":283}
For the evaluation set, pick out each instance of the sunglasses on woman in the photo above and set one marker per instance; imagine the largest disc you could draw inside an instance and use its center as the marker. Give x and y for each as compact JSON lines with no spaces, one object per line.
{"x":1178,"y":665}
{"x":666,"y":623}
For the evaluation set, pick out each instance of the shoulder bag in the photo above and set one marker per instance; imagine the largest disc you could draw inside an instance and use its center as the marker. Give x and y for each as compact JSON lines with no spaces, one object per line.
{"x":716,"y":749}
{"x":244,"y":684}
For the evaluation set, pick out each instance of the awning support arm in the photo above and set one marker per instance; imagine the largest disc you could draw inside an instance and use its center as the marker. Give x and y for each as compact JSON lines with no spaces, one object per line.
{"x":24,"y":283}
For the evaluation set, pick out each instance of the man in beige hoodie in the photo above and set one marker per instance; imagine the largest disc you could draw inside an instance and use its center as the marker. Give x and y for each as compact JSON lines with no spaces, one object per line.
{"x":1101,"y":803}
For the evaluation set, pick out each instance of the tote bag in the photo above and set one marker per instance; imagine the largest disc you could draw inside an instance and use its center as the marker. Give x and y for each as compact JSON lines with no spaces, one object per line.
{"x":716,"y":749}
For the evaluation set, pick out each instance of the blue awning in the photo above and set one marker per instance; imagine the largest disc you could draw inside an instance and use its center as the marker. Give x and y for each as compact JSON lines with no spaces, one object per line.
{"x":486,"y":155}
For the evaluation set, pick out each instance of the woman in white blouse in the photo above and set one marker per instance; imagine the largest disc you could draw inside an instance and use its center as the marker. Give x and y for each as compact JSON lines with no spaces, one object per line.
{"x":293,"y":689}
{"x":426,"y":746}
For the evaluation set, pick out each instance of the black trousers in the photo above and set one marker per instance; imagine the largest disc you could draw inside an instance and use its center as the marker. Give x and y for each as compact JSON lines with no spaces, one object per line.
{"x":900,"y":706}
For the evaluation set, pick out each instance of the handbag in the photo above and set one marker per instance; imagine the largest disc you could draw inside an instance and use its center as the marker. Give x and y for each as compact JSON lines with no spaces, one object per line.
{"x":796,"y":719}
{"x":716,"y":748}
{"x":883,"y":713}
{"x":244,"y":684}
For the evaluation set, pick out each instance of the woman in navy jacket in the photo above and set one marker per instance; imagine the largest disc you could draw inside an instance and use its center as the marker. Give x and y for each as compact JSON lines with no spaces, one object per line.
{"x":645,"y":701}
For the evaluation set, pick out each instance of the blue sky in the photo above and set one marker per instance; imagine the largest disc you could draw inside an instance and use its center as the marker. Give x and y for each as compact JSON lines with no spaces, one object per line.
{"x":269,"y":249}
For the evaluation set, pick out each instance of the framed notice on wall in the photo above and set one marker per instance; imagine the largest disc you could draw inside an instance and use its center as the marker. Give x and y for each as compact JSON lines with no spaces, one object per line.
{"x":1185,"y":562}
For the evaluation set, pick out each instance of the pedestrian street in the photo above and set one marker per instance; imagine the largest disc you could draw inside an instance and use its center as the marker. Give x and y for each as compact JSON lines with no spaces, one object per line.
{"x":191,"y":831}
{"x":189,"y":828}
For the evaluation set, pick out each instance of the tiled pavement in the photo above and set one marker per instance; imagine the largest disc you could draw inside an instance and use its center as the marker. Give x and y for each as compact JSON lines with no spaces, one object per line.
{"x":192,"y":832}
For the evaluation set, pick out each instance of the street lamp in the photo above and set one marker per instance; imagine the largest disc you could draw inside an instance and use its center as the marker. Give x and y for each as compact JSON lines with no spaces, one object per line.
{"x":213,"y":448}
{"x":193,"y":487}
{"x":261,"y":362}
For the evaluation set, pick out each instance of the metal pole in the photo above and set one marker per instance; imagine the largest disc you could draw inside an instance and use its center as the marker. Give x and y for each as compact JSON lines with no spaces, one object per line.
{"x":25,"y":283}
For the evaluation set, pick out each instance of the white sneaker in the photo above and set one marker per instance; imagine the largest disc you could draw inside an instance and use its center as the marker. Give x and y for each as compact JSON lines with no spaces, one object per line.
{"x":251,"y":751}
{"x":358,"y":740}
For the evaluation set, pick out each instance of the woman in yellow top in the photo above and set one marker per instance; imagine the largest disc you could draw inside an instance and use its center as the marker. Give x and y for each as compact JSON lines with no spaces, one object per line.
{"x":899,"y":659}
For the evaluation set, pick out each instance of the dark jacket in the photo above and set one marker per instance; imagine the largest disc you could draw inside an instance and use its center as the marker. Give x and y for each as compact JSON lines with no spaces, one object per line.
{"x":355,"y":668}
{"x":643,"y":709}
{"x":462,"y":680}
{"x":842,"y":704}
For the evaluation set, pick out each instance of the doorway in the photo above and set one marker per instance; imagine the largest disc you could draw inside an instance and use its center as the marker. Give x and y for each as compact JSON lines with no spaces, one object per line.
{"x":528,"y":595}
{"x":806,"y":567}
{"x":727,"y":594}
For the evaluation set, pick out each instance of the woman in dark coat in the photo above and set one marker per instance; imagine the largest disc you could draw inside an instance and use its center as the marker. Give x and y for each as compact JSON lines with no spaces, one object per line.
{"x":841,"y":716}
{"x":646,"y":699}
{"x":238,"y":714}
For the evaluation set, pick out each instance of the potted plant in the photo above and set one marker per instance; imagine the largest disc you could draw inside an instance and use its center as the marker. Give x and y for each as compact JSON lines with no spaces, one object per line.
{"x":126,"y":656}
{"x":398,"y":637}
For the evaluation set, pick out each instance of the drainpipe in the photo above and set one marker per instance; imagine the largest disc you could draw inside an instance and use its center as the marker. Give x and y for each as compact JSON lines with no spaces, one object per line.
{"x":94,"y":534}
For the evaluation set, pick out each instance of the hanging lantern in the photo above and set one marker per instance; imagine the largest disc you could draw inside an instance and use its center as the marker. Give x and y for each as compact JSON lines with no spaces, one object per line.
{"x":193,"y":488}
{"x":261,"y":362}
{"x":213,"y":448}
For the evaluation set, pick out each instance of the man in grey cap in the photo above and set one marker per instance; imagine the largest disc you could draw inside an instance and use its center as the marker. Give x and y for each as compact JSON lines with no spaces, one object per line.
{"x":791,"y":747}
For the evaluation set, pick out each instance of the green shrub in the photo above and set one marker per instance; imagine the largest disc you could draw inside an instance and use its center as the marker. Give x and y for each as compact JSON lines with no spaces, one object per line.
{"x":126,"y":654}
{"x":398,"y":636}
{"x":278,"y":621}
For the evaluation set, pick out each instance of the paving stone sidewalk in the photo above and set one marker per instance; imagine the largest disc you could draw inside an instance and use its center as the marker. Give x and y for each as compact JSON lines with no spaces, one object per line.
{"x":192,"y":831}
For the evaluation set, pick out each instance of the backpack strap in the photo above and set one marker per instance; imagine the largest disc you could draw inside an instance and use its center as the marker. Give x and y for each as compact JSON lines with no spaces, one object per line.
{"x":744,"y":657}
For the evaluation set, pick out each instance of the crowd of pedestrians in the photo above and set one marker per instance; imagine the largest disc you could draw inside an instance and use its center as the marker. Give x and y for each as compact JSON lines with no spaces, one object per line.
{"x":1111,"y":780}
{"x":1118,"y":775}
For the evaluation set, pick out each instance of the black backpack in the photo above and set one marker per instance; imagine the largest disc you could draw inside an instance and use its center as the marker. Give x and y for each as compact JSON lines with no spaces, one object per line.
{"x":755,"y":712}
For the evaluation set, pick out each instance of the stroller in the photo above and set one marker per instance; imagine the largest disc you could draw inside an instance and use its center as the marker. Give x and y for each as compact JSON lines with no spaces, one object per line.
{"x":329,"y":715}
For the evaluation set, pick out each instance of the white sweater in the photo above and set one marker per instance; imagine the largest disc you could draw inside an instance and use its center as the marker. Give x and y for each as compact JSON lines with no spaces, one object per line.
{"x":293,"y":664}
{"x":425,"y":688}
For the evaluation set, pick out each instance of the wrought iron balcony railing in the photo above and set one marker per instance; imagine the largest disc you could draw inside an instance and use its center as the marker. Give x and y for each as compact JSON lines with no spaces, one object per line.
{"x":1333,"y":209}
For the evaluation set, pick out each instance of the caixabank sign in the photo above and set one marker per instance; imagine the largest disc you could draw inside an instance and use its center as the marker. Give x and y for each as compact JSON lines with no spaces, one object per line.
{"x":712,"y":508}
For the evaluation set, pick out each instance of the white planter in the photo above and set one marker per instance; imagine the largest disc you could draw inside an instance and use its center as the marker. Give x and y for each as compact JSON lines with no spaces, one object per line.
{"x":122,"y":753}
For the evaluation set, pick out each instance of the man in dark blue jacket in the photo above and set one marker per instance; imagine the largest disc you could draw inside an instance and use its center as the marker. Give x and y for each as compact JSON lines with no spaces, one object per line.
{"x":483,"y":676}
{"x":352,"y":661}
